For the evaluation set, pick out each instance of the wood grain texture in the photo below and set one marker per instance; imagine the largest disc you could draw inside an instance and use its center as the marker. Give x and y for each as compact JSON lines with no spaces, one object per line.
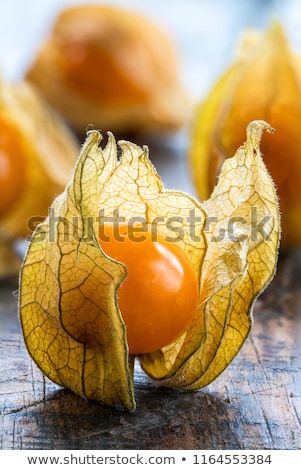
{"x":254,"y":404}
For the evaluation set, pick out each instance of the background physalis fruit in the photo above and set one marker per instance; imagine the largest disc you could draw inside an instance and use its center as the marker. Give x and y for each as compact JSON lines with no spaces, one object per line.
{"x":264,"y":83}
{"x":37,"y":156}
{"x":71,"y":318}
{"x":112,"y":68}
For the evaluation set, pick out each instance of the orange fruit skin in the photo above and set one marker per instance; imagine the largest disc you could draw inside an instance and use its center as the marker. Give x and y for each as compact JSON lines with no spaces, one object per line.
{"x":160,"y":294}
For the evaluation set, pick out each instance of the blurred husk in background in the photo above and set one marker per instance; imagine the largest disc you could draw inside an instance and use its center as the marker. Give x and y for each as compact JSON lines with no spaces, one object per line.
{"x":111,"y":68}
{"x":263,"y":83}
{"x":37,"y":154}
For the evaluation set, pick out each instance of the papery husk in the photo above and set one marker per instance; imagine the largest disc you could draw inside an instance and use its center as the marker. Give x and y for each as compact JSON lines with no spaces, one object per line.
{"x":264,"y":83}
{"x":50,"y":150}
{"x":68,"y":297}
{"x":130,"y":81}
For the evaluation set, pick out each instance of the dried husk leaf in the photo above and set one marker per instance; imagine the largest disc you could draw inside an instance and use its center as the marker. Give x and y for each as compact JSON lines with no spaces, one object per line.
{"x":50,"y":150}
{"x":263,"y":83}
{"x":69,"y":288}
{"x":235,"y":270}
{"x":70,"y":320}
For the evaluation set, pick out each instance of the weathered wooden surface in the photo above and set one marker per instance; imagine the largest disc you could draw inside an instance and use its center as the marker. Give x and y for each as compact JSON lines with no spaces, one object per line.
{"x":254,"y":404}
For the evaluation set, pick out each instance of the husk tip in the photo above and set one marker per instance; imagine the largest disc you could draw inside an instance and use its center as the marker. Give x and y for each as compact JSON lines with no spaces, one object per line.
{"x":255,"y":130}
